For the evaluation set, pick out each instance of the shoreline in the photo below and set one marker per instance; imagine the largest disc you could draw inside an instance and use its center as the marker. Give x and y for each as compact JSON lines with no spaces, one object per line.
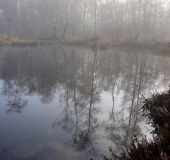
{"x":101,"y":44}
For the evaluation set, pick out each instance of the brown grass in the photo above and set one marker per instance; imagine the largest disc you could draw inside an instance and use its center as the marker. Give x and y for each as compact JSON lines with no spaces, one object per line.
{"x":75,"y":41}
{"x":16,"y":41}
{"x":101,"y":44}
{"x":104,"y":43}
{"x":92,"y":43}
{"x":3,"y":40}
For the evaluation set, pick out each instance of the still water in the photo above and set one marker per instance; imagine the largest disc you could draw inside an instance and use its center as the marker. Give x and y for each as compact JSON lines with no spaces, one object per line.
{"x":68,"y":103}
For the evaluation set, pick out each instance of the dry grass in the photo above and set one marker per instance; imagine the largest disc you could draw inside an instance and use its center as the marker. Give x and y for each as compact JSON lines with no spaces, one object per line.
{"x":92,"y":43}
{"x":16,"y":41}
{"x":3,"y":40}
{"x":104,"y":43}
{"x":101,"y":44}
{"x":12,"y":41}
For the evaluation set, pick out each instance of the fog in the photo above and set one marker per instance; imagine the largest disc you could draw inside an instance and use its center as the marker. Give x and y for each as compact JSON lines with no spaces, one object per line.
{"x":75,"y":76}
{"x":115,"y":19}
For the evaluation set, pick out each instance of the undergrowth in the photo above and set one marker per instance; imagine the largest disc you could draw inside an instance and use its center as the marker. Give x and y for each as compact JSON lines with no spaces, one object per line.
{"x":157,"y":109}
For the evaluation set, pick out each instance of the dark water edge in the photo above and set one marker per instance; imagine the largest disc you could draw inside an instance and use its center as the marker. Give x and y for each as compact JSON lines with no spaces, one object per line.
{"x":68,"y":103}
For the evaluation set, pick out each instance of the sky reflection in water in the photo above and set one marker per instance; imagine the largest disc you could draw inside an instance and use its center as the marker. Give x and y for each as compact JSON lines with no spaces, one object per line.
{"x":66,"y":103}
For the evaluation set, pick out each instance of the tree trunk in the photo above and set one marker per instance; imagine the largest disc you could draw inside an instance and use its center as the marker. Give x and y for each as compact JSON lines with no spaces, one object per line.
{"x":139,"y":28}
{"x":65,"y":28}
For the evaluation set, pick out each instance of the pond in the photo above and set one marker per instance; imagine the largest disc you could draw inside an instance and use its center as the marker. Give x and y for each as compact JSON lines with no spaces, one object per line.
{"x":73,"y":103}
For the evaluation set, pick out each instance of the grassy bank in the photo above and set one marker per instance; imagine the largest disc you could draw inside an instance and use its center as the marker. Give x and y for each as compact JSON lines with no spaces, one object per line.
{"x":91,"y":43}
{"x":107,"y":43}
{"x":157,"y":109}
{"x":20,"y":42}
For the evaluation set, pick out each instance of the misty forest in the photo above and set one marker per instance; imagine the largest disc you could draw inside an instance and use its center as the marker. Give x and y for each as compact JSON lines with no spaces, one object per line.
{"x":84,"y":79}
{"x":128,"y":19}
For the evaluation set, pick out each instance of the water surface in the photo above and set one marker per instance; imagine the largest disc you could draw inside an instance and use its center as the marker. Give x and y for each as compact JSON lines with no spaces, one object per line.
{"x":68,"y":103}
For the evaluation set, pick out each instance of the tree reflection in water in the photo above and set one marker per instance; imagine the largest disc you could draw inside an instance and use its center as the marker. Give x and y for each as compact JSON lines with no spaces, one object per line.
{"x":14,"y":98}
{"x":122,"y":125}
{"x":83,"y":97}
{"x":80,"y":77}
{"x":12,"y":84}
